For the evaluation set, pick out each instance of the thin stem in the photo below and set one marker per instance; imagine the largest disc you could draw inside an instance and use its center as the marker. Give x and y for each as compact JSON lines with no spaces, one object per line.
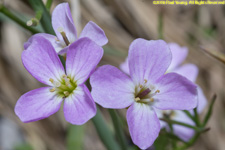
{"x":189,"y":115}
{"x":180,"y":123}
{"x":104,"y":133}
{"x":118,"y":129}
{"x":13,"y":17}
{"x":197,"y":122}
{"x":209,"y":113}
{"x":190,"y":143}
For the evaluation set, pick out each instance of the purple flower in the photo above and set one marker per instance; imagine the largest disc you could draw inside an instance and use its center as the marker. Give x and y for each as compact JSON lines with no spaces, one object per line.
{"x":146,"y":88}
{"x":66,"y":33}
{"x":43,"y":63}
{"x":190,"y":71}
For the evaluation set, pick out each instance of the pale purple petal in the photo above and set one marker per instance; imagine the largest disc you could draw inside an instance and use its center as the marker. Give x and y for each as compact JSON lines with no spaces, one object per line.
{"x":202,"y":101}
{"x":79,"y":107}
{"x":176,"y":92}
{"x":62,"y":20}
{"x":111,"y":88}
{"x":95,"y":33}
{"x":41,"y":61}
{"x":125,"y":66}
{"x":179,"y":54}
{"x":82,"y":58}
{"x":58,"y":45}
{"x":190,"y":71}
{"x":148,"y":60}
{"x":143,"y":125}
{"x":37,"y":104}
{"x":159,"y":114}
{"x":183,"y":132}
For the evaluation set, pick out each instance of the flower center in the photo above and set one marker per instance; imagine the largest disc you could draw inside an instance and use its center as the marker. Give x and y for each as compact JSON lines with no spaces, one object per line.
{"x":63,"y":88}
{"x":144,"y":94}
{"x":66,"y":40}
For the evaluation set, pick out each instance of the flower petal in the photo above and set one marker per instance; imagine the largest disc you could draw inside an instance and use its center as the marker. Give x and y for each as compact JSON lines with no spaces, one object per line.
{"x":80,"y":106}
{"x":111,"y":88}
{"x":41,"y":60}
{"x":190,"y":71}
{"x":37,"y":104}
{"x":58,"y":45}
{"x":125,"y":66}
{"x":202,"y":101}
{"x":82,"y":58}
{"x":143,"y":125}
{"x":95,"y":33}
{"x":62,"y":20}
{"x":148,"y":60}
{"x":176,"y":92}
{"x":184,"y":133}
{"x":179,"y":54}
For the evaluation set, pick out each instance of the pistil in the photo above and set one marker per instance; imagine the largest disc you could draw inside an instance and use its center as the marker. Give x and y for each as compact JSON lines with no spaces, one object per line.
{"x":144,"y":93}
{"x":67,"y":42}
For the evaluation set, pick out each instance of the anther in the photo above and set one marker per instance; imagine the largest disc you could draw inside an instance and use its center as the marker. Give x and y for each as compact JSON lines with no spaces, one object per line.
{"x":141,"y":86}
{"x":157,"y":91}
{"x":51,"y":80}
{"x":52,"y":90}
{"x":151,"y":99}
{"x":145,"y":80}
{"x":64,"y":36}
{"x":66,"y":93}
{"x":137,"y":99}
{"x":56,"y":39}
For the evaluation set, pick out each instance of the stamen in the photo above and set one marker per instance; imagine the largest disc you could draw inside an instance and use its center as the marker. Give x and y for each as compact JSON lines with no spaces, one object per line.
{"x":56,"y":84}
{"x":52,"y":90}
{"x":64,"y":36}
{"x":137,"y":99}
{"x":151,"y":99}
{"x":145,"y":80}
{"x":141,"y":86}
{"x":66,"y":93}
{"x":57,"y":40}
{"x":51,"y":80}
{"x":157,"y":91}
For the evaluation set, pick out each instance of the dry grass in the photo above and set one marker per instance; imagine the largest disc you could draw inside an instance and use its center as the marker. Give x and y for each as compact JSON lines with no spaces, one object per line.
{"x":122,"y":21}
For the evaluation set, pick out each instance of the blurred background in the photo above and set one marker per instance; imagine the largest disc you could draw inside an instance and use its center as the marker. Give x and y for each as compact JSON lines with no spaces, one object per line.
{"x":122,"y":20}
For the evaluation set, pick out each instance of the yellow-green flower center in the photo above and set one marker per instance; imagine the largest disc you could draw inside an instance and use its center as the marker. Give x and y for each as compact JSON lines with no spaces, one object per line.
{"x":64,"y":87}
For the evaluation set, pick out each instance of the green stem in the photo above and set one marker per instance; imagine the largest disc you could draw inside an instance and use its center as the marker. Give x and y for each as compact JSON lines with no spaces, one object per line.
{"x":209,"y":113}
{"x":13,"y":17}
{"x":118,"y":129}
{"x":189,"y":143}
{"x":160,"y":24}
{"x":104,"y":133}
{"x":48,"y":4}
{"x":75,"y":137}
{"x":189,"y":115}
{"x":197,"y":122}
{"x":38,"y":5}
{"x":180,"y":123}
